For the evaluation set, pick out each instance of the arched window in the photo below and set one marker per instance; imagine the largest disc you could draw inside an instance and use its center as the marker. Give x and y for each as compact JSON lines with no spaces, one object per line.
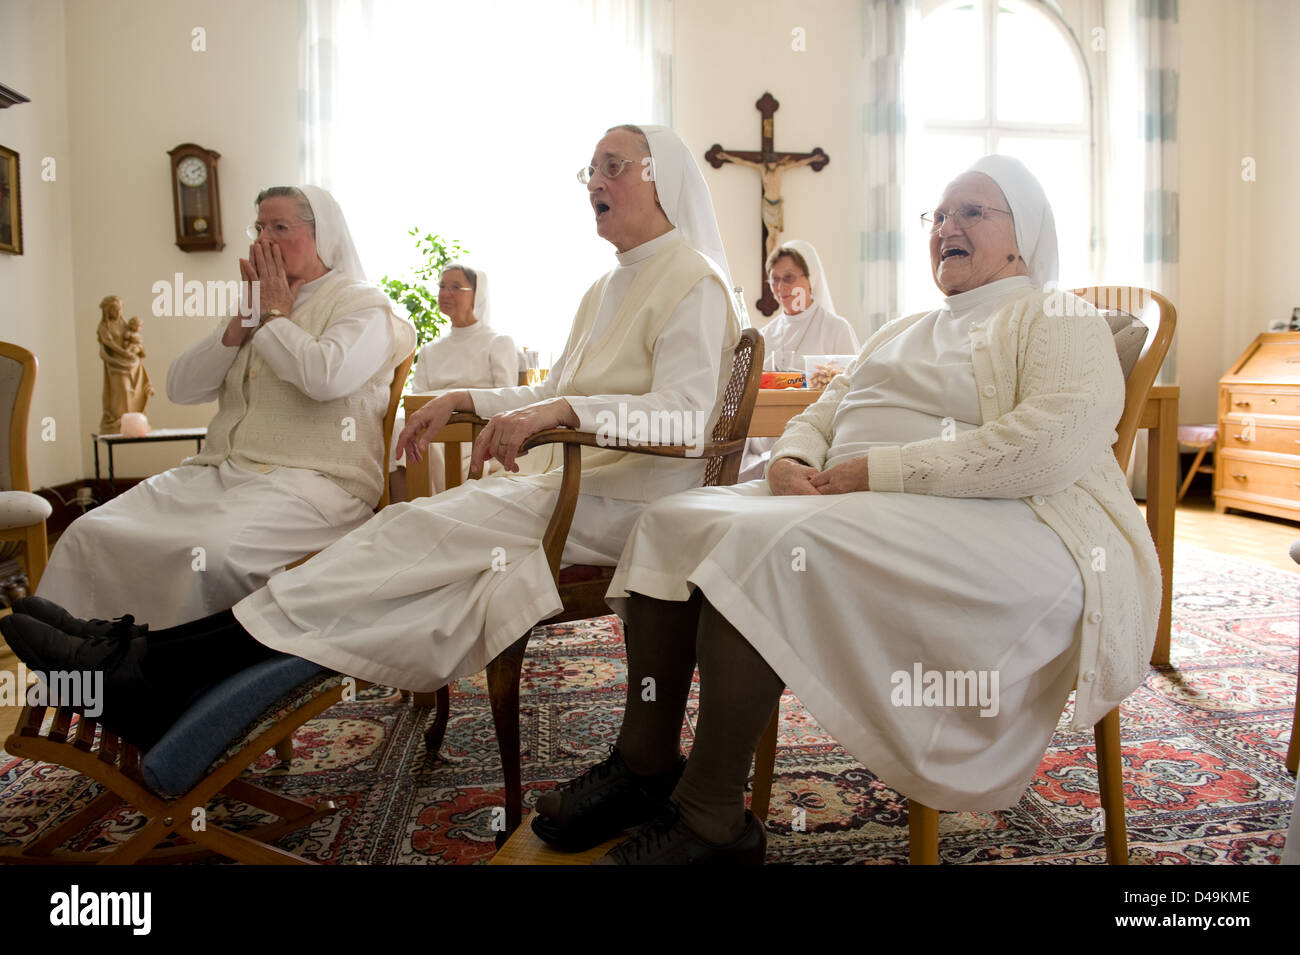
{"x":998,"y":76}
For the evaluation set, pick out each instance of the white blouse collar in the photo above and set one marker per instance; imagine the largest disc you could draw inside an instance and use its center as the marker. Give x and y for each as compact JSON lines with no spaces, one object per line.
{"x":647,"y":249}
{"x":986,"y":294}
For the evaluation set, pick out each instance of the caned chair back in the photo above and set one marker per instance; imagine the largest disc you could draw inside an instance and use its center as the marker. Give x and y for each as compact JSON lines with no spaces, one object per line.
{"x":737,"y":407}
{"x":17,"y":381}
{"x":1140,"y":305}
{"x":394,"y":399}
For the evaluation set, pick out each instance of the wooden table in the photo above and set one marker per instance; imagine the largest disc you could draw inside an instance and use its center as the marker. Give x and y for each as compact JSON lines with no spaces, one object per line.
{"x":775,"y":408}
{"x":110,"y":441}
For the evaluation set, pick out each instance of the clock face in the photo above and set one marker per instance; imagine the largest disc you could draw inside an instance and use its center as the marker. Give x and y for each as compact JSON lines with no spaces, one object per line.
{"x":192,"y":171}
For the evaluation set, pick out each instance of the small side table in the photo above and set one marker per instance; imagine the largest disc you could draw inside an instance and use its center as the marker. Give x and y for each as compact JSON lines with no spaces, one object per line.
{"x":110,"y":441}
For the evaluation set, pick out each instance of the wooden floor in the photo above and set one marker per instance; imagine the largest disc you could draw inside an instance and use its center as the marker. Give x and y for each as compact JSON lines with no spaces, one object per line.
{"x":1264,"y":540}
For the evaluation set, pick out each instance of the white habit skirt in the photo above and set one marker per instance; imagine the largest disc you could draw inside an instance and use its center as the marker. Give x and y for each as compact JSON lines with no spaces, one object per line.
{"x":843,"y":593}
{"x":429,"y":591}
{"x":136,"y":553}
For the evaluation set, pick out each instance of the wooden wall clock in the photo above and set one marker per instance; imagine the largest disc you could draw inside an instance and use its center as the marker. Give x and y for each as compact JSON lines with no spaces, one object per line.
{"x":196,"y":198}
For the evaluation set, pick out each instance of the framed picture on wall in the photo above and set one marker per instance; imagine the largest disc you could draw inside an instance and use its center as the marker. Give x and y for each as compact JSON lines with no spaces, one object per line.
{"x":11,"y":204}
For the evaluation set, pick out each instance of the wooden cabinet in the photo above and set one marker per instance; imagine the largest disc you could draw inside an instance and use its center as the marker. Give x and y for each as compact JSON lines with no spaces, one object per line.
{"x":1257,"y":459}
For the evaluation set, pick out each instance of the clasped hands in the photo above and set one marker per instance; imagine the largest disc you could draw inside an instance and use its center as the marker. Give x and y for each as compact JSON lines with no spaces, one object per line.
{"x":265,"y":267}
{"x":499,"y":439}
{"x":788,"y":476}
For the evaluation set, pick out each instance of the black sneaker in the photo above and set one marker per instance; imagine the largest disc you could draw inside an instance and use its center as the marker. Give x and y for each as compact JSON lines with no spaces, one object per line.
{"x":47,"y":611}
{"x":601,"y":803}
{"x":669,"y":841}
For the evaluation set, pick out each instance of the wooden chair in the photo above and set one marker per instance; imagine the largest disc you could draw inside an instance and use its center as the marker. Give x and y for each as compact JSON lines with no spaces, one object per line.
{"x":172,"y":784}
{"x":582,"y":588}
{"x":923,"y":821}
{"x":22,"y":513}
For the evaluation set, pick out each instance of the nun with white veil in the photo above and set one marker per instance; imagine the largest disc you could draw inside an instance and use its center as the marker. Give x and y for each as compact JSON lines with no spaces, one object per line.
{"x":293,"y":458}
{"x":807,"y":325}
{"x":468,"y":354}
{"x":943,"y":543}
{"x":434,"y":589}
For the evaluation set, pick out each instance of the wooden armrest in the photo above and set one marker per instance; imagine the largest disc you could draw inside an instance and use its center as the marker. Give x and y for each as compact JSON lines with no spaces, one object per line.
{"x":467,"y":417}
{"x":714,"y":449}
{"x":557,"y":530}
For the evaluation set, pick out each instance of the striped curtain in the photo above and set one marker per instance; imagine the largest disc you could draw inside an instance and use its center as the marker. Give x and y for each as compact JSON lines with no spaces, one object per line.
{"x":884,"y":26}
{"x":1156,"y":42}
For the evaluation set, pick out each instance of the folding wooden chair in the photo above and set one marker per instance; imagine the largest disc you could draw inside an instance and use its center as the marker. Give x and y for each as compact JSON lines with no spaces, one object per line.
{"x":201,"y":757}
{"x":1123,"y":308}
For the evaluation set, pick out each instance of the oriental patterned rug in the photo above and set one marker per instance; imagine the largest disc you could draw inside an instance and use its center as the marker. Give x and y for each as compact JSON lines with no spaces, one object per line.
{"x":1203,"y":743}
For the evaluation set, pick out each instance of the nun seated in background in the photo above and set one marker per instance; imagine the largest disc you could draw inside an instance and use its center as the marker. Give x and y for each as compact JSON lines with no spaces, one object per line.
{"x":468,"y":355}
{"x":280,"y":475}
{"x":807,"y":325}
{"x":940,"y":508}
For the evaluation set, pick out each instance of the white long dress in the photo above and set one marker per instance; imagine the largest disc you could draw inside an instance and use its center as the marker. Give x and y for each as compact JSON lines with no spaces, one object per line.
{"x":432,"y":590}
{"x":193,"y":540}
{"x":786,"y":340}
{"x":842,"y":594}
{"x":472,"y":356}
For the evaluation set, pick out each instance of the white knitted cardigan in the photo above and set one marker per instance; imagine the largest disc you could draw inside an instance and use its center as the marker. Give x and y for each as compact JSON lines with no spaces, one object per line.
{"x":1050,"y":392}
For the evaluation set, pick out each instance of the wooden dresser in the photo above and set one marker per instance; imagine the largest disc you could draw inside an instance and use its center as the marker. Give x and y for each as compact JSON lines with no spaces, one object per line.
{"x":1257,"y":458}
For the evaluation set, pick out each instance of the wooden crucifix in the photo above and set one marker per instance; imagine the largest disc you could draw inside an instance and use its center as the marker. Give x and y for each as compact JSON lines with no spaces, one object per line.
{"x":770,"y":165}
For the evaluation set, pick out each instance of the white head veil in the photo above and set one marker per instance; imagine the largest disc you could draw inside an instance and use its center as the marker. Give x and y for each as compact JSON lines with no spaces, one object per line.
{"x":821,"y":292}
{"x":482,"y":298}
{"x":334,"y":242}
{"x":684,"y":195}
{"x":1030,"y":212}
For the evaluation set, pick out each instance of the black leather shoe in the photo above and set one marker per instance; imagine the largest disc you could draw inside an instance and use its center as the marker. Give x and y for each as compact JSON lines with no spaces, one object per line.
{"x":669,"y":841}
{"x":47,"y":611}
{"x":113,"y":689}
{"x":601,"y":803}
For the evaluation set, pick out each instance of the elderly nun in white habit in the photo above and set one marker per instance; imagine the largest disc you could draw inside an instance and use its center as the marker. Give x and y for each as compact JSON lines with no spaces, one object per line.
{"x":281,"y":474}
{"x":468,"y":354}
{"x":941,"y":508}
{"x":807,"y":325}
{"x":432,"y":590}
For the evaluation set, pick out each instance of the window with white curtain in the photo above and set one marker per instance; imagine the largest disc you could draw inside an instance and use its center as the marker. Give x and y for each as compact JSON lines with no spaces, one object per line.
{"x":997,"y":76}
{"x":470,"y":120}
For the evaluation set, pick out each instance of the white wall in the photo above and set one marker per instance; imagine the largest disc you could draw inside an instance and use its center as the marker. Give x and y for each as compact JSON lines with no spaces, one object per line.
{"x":136,"y":90}
{"x":728,"y":52}
{"x":1239,"y":97}
{"x":36,"y":288}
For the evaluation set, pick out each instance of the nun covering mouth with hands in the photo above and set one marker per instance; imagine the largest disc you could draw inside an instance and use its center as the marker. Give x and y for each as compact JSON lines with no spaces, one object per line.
{"x":276,"y":478}
{"x":940,"y":510}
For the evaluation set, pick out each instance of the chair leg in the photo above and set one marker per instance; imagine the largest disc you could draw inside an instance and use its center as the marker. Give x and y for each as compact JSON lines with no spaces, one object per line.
{"x":36,"y":552}
{"x":922,"y":833}
{"x":1293,"y":751}
{"x":765,"y":767}
{"x":503,"y":691}
{"x":1193,"y":471}
{"x":1110,"y":781}
{"x":284,"y":749}
{"x":438,"y":728}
